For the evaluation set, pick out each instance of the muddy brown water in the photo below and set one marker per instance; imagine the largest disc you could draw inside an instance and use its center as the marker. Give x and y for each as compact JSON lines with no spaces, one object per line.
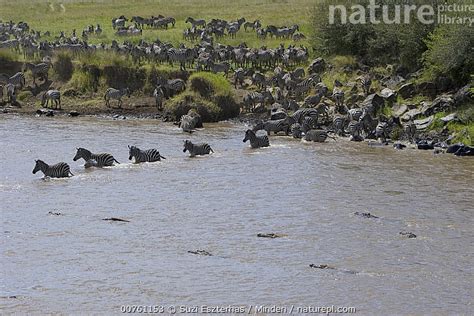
{"x":78,"y":263}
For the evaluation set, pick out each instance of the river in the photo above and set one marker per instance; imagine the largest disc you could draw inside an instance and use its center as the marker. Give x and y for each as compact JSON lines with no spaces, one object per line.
{"x":308,"y":192}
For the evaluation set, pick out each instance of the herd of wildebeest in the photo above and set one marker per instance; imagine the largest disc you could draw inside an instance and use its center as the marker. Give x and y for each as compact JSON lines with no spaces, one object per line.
{"x":275,"y":79}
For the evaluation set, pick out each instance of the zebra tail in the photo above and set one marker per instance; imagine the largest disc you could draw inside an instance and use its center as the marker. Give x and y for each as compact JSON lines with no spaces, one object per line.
{"x":162,"y":157}
{"x":212,"y":151}
{"x":72,"y":175}
{"x":116,"y":161}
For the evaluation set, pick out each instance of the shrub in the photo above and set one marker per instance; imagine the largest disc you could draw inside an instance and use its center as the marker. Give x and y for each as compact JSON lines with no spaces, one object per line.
{"x":216,"y":88}
{"x":182,"y":103}
{"x":450,"y":53}
{"x":63,"y":66}
{"x":7,"y":55}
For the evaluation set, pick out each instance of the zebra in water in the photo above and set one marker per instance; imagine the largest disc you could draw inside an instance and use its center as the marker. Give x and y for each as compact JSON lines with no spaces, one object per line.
{"x":53,"y":95}
{"x":410,"y":131}
{"x":190,"y":121}
{"x":251,"y":99}
{"x":317,"y":135}
{"x":300,"y":114}
{"x":115,"y":94}
{"x":339,"y":123}
{"x":103,"y":160}
{"x":275,"y":126}
{"x":159,"y":95}
{"x":309,"y":123}
{"x":256,"y":141}
{"x":296,"y":131}
{"x":197,"y":149}
{"x":40,"y":70}
{"x":17,"y":79}
{"x":59,"y":170}
{"x":149,"y":155}
{"x":354,"y":128}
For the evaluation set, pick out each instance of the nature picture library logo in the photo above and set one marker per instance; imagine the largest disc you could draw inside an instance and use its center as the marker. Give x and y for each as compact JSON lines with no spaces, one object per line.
{"x":401,"y":12}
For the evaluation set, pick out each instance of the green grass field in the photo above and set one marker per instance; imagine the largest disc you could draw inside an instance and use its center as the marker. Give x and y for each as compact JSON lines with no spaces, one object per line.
{"x":54,"y":17}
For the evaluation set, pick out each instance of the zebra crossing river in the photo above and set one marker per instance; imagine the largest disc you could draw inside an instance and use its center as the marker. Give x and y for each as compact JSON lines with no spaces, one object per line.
{"x":59,"y":256}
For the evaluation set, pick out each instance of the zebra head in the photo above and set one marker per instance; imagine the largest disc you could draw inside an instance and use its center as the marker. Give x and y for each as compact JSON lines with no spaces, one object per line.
{"x":132,"y":151}
{"x":249,"y":134}
{"x":38,"y":165}
{"x":82,"y":153}
{"x":188,"y":145}
{"x":260,"y":125}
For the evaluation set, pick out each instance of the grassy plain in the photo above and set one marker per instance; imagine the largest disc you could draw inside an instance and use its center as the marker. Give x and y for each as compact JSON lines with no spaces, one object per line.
{"x":56,"y":16}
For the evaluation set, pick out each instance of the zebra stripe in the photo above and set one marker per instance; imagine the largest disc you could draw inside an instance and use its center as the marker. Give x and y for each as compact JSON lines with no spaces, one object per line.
{"x":354,"y":128}
{"x":103,"y":160}
{"x":338,"y":124}
{"x":355,"y":114}
{"x":316,"y":135}
{"x":366,"y":82}
{"x":159,"y":95}
{"x":338,"y":96}
{"x":304,"y":86}
{"x":39,"y":70}
{"x":59,"y":170}
{"x":300,"y":114}
{"x":149,"y":155}
{"x":410,"y":131}
{"x":256,"y":141}
{"x":275,"y":126}
{"x":382,"y":131}
{"x":17,"y":79}
{"x":197,"y":149}
{"x":172,"y":87}
{"x":182,"y":56}
{"x":115,"y":94}
{"x":296,"y":131}
{"x":53,"y":95}
{"x":11,"y":93}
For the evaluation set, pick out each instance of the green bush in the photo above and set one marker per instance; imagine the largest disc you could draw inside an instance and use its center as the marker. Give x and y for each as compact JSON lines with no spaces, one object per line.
{"x":182,"y":103}
{"x":450,"y":53}
{"x":82,"y":81}
{"x":373,"y":44}
{"x":6,"y":55}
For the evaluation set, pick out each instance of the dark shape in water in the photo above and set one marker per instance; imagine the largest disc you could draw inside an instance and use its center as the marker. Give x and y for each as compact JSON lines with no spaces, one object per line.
{"x":54,"y":213}
{"x":115,"y":219}
{"x":270,"y":235}
{"x":408,"y":234}
{"x":399,"y":146}
{"x":321,"y":266}
{"x":366,"y":215}
{"x":200,"y":252}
